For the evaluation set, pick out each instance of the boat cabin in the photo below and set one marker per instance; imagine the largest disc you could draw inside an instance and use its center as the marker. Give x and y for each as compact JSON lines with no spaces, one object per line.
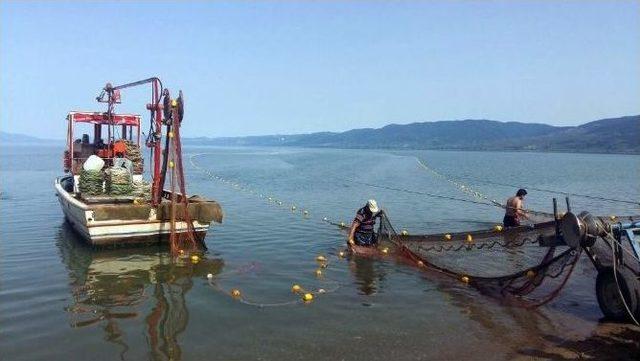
{"x":100,"y":134}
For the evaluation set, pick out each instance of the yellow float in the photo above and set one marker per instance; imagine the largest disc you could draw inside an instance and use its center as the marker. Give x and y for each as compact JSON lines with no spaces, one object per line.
{"x":531,"y":273}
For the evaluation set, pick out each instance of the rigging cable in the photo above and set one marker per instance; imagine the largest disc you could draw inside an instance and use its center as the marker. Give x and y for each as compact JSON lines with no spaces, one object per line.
{"x":492,"y":203}
{"x":546,"y":190}
{"x":615,"y":276}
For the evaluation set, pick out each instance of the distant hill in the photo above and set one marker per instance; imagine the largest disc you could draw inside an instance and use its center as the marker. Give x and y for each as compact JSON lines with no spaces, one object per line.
{"x":15,"y":138}
{"x":616,"y":135}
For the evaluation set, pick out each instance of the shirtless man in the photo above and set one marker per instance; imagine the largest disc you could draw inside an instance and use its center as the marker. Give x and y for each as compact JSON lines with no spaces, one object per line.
{"x":515,"y":209}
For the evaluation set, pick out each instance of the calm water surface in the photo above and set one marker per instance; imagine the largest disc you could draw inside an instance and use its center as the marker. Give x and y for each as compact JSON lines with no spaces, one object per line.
{"x":61,"y":300}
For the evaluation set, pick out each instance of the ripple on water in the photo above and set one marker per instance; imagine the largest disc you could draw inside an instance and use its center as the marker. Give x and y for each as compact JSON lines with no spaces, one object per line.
{"x":69,"y":299}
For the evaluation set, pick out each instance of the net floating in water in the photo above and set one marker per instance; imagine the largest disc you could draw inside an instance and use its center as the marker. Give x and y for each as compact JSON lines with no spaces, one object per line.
{"x":532,"y":286}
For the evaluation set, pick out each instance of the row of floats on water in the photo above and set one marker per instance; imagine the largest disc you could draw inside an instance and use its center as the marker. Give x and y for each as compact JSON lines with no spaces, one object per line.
{"x":305,"y":295}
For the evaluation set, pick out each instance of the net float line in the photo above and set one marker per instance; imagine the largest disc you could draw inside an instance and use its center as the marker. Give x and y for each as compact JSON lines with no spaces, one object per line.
{"x":474,"y":193}
{"x":304,"y":296}
{"x":467,"y":189}
{"x":515,"y":286}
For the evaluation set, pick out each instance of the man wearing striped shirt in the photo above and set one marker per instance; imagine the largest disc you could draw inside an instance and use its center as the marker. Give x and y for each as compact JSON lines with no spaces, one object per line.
{"x":362,"y":231}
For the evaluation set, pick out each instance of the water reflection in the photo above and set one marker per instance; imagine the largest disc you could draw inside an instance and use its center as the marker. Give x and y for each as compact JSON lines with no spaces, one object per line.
{"x":111,"y":286}
{"x":513,"y":325}
{"x":368,"y":273}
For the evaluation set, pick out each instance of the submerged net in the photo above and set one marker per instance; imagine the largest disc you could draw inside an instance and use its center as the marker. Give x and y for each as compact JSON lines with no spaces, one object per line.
{"x":533,"y":284}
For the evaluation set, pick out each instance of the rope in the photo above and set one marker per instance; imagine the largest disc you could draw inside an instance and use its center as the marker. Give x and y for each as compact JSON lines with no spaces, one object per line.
{"x":293,"y":206}
{"x":183,"y":242}
{"x":474,"y":193}
{"x":482,"y":245}
{"x":492,"y":204}
{"x":504,"y":283}
{"x":236,"y":294}
{"x":546,"y":190}
{"x":273,"y":200}
{"x":560,"y":192}
{"x":464,"y":188}
{"x":568,"y":257}
{"x":615,"y":276}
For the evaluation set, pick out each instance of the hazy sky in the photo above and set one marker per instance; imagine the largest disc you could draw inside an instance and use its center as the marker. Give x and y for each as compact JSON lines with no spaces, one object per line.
{"x":281,"y":67}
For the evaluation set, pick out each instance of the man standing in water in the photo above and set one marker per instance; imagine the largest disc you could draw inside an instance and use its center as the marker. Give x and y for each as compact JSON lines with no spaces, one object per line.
{"x":362,"y":228}
{"x":515,"y":209}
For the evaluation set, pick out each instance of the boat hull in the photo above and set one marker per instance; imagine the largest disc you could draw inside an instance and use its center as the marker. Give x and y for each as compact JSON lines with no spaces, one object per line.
{"x":117,"y":231}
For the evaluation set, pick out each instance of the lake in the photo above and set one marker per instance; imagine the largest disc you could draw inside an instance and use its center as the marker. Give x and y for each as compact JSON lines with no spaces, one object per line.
{"x":62,"y":300}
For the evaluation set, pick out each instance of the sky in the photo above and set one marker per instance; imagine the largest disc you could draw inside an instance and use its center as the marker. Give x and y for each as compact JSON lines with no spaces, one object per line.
{"x":254,"y":68}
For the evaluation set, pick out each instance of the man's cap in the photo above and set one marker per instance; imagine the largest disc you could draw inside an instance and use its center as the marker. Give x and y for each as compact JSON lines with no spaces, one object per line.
{"x":373,"y":206}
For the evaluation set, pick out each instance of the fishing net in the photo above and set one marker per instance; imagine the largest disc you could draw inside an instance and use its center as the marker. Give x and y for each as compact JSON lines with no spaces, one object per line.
{"x":182,"y":241}
{"x":91,"y":182}
{"x":534,"y":283}
{"x":119,"y":181}
{"x":141,"y":189}
{"x":134,"y":155}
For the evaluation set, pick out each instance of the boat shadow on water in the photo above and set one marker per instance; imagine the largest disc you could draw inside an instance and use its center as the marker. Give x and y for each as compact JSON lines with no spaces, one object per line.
{"x":110,"y":286}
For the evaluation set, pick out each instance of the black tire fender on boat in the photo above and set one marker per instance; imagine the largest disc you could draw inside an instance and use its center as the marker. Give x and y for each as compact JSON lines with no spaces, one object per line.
{"x":609,"y":298}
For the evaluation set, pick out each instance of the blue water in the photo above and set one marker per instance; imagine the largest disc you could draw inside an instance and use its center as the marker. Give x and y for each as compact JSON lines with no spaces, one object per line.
{"x":61,"y":300}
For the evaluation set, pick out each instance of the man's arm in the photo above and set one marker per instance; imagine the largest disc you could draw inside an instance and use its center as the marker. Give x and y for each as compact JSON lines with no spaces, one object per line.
{"x":352,"y":232}
{"x":520,"y":209}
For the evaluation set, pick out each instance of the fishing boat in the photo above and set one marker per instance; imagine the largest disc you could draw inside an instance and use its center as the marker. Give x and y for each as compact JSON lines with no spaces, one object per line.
{"x":103,"y":218}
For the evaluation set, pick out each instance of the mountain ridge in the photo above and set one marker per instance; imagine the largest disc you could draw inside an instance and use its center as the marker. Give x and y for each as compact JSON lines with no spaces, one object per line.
{"x":609,"y":135}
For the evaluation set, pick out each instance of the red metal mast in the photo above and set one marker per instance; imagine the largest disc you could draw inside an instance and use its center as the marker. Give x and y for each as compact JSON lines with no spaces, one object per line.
{"x":154,"y":138}
{"x":169,"y":114}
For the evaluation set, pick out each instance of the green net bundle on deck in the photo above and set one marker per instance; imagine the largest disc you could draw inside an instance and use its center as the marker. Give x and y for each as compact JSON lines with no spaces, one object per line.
{"x":119,"y":181}
{"x":508,"y":264}
{"x":133,"y":154}
{"x":142,"y":189}
{"x":91,"y":182}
